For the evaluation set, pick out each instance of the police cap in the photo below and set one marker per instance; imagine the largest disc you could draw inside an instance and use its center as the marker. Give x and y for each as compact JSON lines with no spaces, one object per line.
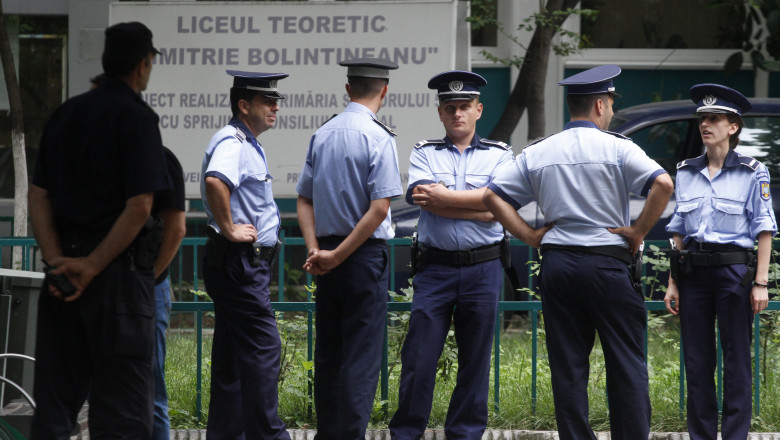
{"x":592,"y":81}
{"x":715,"y":98}
{"x":457,"y":85}
{"x":262,"y":83}
{"x":369,"y":67}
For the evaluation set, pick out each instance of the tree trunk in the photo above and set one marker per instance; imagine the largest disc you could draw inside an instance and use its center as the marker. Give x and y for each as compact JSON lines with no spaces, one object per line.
{"x":528,"y":91}
{"x":17,"y":139}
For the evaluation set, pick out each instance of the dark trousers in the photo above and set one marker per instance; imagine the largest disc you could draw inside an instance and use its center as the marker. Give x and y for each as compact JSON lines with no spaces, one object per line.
{"x":351,"y":311}
{"x":583,"y":294}
{"x":468,"y":297}
{"x":101,"y":346}
{"x":710,"y":292}
{"x":245,"y":356}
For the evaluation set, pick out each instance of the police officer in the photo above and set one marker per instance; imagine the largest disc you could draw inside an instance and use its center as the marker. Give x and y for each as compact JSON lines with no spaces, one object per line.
{"x":244,"y":222}
{"x":723,"y":207}
{"x":100,"y":162}
{"x":457,"y":261}
{"x":350,"y":174}
{"x":581,"y":178}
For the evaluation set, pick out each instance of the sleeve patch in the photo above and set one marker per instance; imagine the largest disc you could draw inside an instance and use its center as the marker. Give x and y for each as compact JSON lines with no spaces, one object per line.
{"x":765,"y":193}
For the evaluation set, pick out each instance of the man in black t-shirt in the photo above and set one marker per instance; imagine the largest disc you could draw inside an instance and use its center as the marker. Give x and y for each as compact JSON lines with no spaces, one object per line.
{"x":100,"y":162}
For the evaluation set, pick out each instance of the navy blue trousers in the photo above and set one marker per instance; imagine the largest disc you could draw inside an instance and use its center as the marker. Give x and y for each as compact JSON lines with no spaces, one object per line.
{"x":711,"y":292}
{"x":101,"y":346}
{"x":245,"y":356}
{"x":351,"y":310}
{"x":468,"y":297}
{"x":583,"y":294}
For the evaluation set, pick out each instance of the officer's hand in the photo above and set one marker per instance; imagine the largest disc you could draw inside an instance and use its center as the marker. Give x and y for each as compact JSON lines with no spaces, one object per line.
{"x":672,"y":296}
{"x":79,"y":271}
{"x":535,"y":239}
{"x":759,"y":297}
{"x":631,"y":234}
{"x":311,"y":265}
{"x":431,"y":196}
{"x":241,"y":234}
{"x":322,"y":262}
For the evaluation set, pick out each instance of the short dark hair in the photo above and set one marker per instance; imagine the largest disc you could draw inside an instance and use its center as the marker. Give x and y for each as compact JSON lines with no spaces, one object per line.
{"x":363,"y":87}
{"x":580,"y":105}
{"x":237,"y":94}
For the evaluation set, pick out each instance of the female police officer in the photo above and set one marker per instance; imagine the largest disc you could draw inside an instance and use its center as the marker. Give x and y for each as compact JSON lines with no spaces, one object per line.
{"x":723,"y":206}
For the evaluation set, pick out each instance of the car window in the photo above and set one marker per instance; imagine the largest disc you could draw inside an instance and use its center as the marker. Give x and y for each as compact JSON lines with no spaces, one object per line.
{"x":663,"y":142}
{"x":760,"y":138}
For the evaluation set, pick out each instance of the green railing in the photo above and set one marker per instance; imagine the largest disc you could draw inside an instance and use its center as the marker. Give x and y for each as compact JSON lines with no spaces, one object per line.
{"x":186,"y":267}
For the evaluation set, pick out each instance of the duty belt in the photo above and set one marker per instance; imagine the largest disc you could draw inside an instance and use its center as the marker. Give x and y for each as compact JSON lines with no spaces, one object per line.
{"x":462,"y":258}
{"x":340,"y":238}
{"x":265,"y":253}
{"x":720,"y":258}
{"x":621,"y":253}
{"x":218,"y":247}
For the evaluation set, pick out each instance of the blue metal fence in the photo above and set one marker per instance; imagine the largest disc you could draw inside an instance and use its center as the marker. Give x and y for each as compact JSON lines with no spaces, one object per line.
{"x":186,"y":268}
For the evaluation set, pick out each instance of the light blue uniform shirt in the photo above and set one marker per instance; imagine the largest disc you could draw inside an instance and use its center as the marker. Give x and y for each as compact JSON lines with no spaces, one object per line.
{"x":440,"y":161}
{"x":235,"y":157}
{"x":581,"y":179}
{"x":352,"y":160}
{"x":732,"y":208}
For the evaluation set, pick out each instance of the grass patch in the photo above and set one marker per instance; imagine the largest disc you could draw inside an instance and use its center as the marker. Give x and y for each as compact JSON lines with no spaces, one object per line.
{"x":516,"y":410}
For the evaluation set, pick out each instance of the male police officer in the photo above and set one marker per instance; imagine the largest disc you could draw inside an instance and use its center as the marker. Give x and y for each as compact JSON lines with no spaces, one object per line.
{"x":459,"y":271}
{"x":244,"y":219}
{"x":100,"y":162}
{"x":581,"y":179}
{"x":344,"y":192}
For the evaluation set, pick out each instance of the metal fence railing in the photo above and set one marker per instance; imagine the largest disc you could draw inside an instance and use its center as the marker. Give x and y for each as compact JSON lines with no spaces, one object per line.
{"x":185,"y":270}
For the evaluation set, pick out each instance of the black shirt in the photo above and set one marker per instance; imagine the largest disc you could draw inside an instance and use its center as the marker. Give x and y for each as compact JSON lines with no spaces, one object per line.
{"x":98,"y":150}
{"x":170,"y":198}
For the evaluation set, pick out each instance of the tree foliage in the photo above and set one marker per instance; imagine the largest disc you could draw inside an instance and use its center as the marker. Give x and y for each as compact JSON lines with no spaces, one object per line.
{"x":528,"y":91}
{"x":759,"y":33}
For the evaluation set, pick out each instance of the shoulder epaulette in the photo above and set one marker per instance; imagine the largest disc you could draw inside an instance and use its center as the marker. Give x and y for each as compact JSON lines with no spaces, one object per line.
{"x":617,"y":135}
{"x":537,"y":141}
{"x":389,"y":130}
{"x":240,"y":136}
{"x":424,"y":143}
{"x":498,"y":144}
{"x":749,"y":162}
{"x":682,"y":164}
{"x":328,"y":120}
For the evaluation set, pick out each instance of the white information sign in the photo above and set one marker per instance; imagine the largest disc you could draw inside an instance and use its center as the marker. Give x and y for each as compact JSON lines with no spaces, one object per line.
{"x":198,"y":41}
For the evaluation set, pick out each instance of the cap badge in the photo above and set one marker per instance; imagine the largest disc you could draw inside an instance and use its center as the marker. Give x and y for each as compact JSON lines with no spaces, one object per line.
{"x":272,"y":84}
{"x":709,"y":100}
{"x":456,"y":86}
